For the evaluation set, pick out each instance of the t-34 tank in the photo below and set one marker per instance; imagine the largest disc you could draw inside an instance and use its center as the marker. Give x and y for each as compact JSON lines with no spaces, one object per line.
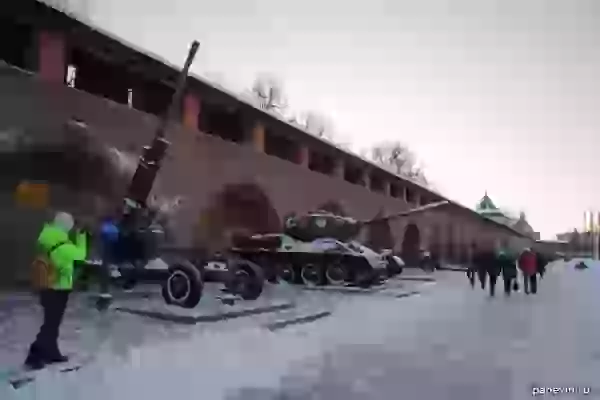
{"x":320,"y":248}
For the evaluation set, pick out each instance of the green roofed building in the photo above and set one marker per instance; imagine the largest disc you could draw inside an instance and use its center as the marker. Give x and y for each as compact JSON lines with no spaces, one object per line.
{"x":486,"y":208}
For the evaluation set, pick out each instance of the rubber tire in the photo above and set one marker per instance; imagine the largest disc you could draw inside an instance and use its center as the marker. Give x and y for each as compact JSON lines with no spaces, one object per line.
{"x":256,"y":276}
{"x":195,"y":282}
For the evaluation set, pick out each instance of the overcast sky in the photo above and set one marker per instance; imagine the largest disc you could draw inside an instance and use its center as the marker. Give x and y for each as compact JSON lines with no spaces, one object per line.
{"x":497,"y":95}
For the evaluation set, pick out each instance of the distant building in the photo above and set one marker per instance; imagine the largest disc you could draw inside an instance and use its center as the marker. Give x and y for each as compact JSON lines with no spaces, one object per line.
{"x":578,"y":242}
{"x":487,"y":208}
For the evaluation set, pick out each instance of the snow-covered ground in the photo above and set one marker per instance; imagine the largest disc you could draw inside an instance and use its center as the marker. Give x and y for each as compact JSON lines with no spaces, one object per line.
{"x":450,"y":342}
{"x":143,"y":358}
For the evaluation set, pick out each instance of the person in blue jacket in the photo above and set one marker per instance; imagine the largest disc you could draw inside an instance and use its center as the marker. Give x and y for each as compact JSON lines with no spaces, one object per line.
{"x":109,"y":237}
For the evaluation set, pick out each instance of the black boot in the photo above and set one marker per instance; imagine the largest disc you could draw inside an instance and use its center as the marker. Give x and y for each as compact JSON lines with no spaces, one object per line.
{"x":34,"y":363}
{"x":56,"y":359}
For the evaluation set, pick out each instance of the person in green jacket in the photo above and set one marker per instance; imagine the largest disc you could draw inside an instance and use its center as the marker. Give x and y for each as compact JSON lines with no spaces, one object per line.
{"x":54,"y":241}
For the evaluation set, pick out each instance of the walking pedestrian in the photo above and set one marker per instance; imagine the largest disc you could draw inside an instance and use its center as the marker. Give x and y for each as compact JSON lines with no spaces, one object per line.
{"x":528,"y":266}
{"x":509,"y":272}
{"x":109,"y":238}
{"x":54,"y":270}
{"x":493,"y":269}
{"x":427,"y":263}
{"x":471,"y":268}
{"x":471,"y":275}
{"x":131,"y":242}
{"x":541,"y":261}
{"x":480,"y":260}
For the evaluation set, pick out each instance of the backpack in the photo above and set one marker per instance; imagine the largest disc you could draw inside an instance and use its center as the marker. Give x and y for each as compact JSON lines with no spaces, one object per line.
{"x":43,"y":270}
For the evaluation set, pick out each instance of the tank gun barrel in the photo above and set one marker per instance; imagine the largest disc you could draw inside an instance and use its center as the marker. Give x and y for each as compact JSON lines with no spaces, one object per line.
{"x":406,"y":213}
{"x":149,"y":164}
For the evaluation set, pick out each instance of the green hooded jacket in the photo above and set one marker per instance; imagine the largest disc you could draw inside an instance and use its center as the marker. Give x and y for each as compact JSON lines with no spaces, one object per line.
{"x":64,"y":256}
{"x":507,"y":264}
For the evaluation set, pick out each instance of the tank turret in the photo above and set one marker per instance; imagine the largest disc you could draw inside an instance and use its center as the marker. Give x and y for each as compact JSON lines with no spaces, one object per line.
{"x":321,"y":224}
{"x":324,"y":224}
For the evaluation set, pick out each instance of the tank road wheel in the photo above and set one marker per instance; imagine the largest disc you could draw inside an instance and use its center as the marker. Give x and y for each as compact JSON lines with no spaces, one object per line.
{"x":311,"y":275}
{"x":364,"y":277}
{"x":287,"y":273}
{"x":336,"y":274}
{"x":184,"y":285}
{"x":247,"y":279}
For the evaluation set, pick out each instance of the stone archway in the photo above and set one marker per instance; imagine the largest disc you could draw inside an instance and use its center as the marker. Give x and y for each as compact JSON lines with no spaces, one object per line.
{"x":474,"y":247}
{"x":379,"y":234}
{"x":450,"y":245}
{"x":411,"y":244}
{"x":464,"y":253}
{"x":241,"y":208}
{"x":436,"y":246}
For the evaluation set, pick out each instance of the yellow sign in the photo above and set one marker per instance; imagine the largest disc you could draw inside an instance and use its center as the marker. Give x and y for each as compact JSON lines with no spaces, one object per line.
{"x":32,"y":195}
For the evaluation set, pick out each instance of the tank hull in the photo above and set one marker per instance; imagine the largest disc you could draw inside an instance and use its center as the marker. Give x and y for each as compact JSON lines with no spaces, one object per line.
{"x":309,"y":263}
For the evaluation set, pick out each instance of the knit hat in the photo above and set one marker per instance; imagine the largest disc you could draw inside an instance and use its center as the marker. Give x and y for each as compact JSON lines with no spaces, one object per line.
{"x":64,"y":221}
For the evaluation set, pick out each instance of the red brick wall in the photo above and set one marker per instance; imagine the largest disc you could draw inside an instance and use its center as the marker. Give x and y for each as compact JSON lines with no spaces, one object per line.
{"x":51,"y":56}
{"x":199,"y":165}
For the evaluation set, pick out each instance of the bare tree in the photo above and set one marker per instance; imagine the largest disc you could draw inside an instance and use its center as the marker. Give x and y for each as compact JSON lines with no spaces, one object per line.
{"x":268,"y":92}
{"x":317,"y":124}
{"x":397,"y":158}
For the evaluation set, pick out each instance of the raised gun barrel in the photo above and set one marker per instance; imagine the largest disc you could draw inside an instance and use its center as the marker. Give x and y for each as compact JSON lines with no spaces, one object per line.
{"x":323,"y":224}
{"x":150,"y":161}
{"x":406,"y":213}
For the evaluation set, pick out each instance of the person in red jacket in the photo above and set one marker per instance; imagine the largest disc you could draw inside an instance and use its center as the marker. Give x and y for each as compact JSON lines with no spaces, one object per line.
{"x":528,"y":266}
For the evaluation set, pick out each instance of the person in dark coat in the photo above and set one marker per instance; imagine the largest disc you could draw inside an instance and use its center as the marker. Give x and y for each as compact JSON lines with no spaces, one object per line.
{"x":508,"y":267}
{"x":480,"y":260}
{"x":542,"y":261}
{"x":471,"y":274}
{"x":471,"y":268}
{"x":493,"y":270}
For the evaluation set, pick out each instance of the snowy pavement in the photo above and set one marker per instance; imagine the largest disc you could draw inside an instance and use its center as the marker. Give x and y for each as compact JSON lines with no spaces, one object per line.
{"x":449,"y":342}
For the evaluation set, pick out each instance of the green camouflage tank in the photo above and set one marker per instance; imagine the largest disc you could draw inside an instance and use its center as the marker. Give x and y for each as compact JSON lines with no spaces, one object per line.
{"x":321,"y":224}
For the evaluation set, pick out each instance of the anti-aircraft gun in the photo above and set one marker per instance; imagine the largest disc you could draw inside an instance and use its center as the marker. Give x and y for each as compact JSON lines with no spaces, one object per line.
{"x":321,"y":248}
{"x":144,"y":240}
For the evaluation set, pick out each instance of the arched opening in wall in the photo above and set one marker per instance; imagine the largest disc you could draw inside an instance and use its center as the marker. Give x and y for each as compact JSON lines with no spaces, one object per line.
{"x":450,"y":245}
{"x":464,"y":254}
{"x":411,"y":245}
{"x":379,"y":233}
{"x":436,"y":246}
{"x":334,"y":207}
{"x":238,"y":209}
{"x":474,"y":249}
